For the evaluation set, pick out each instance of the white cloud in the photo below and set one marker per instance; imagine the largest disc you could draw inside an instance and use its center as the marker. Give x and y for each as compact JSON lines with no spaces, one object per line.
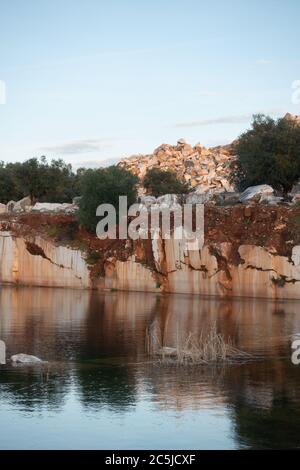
{"x":221,"y":120}
{"x":97,"y":163}
{"x":78,"y":147}
{"x":234,"y":119}
{"x":264,"y":62}
{"x":206,"y":93}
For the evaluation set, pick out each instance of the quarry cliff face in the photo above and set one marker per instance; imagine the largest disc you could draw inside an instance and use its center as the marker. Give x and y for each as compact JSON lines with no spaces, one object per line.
{"x":37,"y":262}
{"x":228,"y":265}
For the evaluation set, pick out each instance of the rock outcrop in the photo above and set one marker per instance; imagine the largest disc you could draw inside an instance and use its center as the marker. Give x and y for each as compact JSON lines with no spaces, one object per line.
{"x":38,"y":262}
{"x":204,"y":169}
{"x":249,"y":251}
{"x":293,"y":118}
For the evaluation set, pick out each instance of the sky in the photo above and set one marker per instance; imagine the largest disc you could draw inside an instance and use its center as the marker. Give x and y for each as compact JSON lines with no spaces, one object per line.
{"x":92,"y":81}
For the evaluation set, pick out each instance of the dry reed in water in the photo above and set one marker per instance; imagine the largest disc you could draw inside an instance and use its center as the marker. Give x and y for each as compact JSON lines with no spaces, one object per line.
{"x":206,"y":348}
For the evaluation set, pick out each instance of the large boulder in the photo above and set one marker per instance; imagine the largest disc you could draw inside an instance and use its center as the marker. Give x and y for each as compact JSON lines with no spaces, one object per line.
{"x":148,"y":201}
{"x":295,"y":189}
{"x":198,"y":198}
{"x":168,"y":201}
{"x":259,"y":193}
{"x":295,"y":193}
{"x":23,"y":204}
{"x":10,"y":206}
{"x":293,"y":118}
{"x":226,"y":198}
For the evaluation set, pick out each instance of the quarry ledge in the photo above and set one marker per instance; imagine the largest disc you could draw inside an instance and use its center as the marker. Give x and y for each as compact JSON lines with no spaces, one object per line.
{"x":248,"y":252}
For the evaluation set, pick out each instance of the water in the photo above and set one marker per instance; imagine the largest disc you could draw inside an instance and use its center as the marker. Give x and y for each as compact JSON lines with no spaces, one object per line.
{"x":100,"y":390}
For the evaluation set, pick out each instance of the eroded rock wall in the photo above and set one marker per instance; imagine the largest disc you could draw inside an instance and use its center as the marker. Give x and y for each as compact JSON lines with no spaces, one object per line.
{"x":254,"y":271}
{"x":220,"y":269}
{"x":38,"y":262}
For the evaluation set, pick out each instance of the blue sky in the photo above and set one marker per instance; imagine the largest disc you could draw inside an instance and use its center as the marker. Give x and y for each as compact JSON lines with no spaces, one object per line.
{"x":92,"y":80}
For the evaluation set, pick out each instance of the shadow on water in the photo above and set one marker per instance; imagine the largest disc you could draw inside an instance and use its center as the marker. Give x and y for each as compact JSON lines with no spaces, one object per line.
{"x":95,"y":345}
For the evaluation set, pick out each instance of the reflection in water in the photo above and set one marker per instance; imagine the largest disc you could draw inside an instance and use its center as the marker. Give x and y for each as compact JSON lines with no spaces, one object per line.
{"x":100,"y":380}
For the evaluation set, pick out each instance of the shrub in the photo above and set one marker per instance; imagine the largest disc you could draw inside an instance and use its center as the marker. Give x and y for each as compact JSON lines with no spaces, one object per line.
{"x":269,"y":153}
{"x":92,"y":257}
{"x":104,"y":186}
{"x":158,"y":182}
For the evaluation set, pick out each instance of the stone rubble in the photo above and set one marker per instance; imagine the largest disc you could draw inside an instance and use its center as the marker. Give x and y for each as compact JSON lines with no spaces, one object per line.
{"x":206,"y":170}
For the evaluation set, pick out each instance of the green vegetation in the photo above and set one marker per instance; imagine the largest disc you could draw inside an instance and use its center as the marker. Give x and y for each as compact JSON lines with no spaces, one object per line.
{"x":41,"y":180}
{"x":158,"y":182}
{"x":294,"y":228}
{"x":104,"y":186}
{"x":269,"y":153}
{"x":92,"y":257}
{"x":279,"y":281}
{"x":63,"y":231}
{"x":52,"y":230}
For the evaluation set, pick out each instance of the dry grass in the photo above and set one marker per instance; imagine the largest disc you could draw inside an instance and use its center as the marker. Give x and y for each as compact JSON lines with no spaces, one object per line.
{"x":209,"y":347}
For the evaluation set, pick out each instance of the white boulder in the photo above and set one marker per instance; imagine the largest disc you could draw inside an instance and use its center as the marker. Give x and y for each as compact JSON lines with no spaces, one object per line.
{"x":148,"y":200}
{"x":54,"y":207}
{"x":257,"y":193}
{"x":168,"y":201}
{"x":198,"y":198}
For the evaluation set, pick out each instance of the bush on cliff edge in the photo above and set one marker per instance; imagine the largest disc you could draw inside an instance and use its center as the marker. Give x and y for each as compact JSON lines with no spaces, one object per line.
{"x":158,"y":182}
{"x":104,"y":186}
{"x":269,"y":153}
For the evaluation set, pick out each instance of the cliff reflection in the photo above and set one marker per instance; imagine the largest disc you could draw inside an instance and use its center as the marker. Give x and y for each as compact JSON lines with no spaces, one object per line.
{"x":95,"y":345}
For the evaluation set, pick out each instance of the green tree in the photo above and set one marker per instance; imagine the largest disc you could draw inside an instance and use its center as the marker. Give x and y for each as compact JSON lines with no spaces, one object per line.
{"x":43,"y":181}
{"x":59,"y":181}
{"x":8,"y":184}
{"x":158,"y":182}
{"x":102,"y":186}
{"x":269,"y":153}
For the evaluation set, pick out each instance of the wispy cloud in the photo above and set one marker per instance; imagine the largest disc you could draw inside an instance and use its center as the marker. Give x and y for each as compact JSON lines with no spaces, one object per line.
{"x":264,"y":62}
{"x":78,"y":147}
{"x":234,"y":119}
{"x":205,"y":93}
{"x":98,"y":163}
{"x":108,"y":54}
{"x":221,"y":120}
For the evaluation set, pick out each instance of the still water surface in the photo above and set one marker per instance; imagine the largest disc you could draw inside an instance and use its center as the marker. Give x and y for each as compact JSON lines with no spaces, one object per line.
{"x":100,"y":390}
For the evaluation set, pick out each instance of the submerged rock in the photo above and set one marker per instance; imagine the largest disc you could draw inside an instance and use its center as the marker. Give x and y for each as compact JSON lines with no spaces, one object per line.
{"x":25,"y":359}
{"x":2,"y":353}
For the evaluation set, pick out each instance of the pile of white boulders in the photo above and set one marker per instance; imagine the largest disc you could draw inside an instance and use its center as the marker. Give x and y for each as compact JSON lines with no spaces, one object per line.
{"x":206,"y":170}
